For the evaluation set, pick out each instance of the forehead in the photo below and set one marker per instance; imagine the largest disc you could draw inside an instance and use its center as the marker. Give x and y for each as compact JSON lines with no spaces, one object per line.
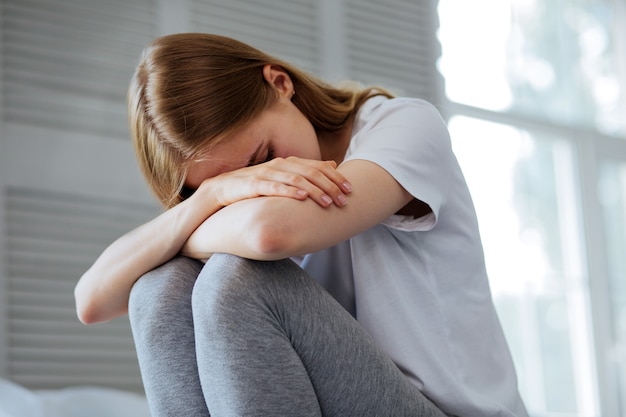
{"x":228,"y":155}
{"x":233,"y":151}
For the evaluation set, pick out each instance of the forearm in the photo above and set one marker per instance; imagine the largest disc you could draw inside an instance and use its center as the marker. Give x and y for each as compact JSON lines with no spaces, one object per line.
{"x":269,"y":228}
{"x":103,"y":290}
{"x":240,"y":228}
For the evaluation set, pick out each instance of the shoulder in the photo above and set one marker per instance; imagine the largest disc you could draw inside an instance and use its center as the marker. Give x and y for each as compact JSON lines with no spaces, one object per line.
{"x":410,"y":140}
{"x":411,"y":126}
{"x":380,"y":111}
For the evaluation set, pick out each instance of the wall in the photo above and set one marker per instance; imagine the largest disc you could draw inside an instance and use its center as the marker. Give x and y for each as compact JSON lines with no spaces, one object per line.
{"x":68,"y":181}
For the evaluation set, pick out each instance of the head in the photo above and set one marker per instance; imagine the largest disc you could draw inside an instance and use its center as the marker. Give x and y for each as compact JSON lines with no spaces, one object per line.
{"x":190,"y":91}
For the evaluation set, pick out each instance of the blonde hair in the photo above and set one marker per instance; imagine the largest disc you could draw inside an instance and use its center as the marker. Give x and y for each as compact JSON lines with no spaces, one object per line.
{"x":191,"y":89}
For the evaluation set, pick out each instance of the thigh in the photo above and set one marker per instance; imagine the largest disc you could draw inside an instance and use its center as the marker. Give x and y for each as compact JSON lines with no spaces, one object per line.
{"x":278,"y":311}
{"x":162,"y":325}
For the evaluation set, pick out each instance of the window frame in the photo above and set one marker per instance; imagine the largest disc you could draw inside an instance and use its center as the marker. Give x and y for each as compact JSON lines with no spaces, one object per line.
{"x":590,"y":148}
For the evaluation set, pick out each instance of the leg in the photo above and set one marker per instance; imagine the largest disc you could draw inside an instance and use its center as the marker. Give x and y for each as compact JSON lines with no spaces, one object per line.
{"x":273,"y":342}
{"x":162,"y":324}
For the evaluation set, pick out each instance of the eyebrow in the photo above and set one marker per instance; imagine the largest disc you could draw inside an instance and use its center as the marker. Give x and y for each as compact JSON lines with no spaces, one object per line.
{"x":255,"y":155}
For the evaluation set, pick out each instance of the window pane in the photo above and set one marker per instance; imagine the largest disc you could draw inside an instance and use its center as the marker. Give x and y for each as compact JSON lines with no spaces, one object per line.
{"x":555,"y":60}
{"x":613,"y":200}
{"x":523,"y":188}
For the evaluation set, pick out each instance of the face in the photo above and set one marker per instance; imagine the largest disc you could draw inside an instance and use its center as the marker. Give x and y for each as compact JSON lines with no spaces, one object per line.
{"x":279,"y":131}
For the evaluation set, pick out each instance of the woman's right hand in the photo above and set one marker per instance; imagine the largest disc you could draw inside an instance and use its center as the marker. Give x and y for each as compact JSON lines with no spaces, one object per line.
{"x":290,"y":177}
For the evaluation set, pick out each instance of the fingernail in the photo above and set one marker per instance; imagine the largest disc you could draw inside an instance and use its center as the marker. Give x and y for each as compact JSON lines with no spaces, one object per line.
{"x":347,"y":186}
{"x":342,"y":199}
{"x":301,"y":193}
{"x":326,"y":199}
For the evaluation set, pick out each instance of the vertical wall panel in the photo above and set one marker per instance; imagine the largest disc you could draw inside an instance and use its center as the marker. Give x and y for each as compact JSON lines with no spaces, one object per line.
{"x":51,"y":240}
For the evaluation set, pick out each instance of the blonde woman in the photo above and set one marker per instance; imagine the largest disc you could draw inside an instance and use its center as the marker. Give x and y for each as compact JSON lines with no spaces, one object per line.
{"x":319,"y":255}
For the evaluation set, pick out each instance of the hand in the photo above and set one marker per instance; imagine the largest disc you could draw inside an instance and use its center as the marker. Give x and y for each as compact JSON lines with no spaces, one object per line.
{"x":291,"y":177}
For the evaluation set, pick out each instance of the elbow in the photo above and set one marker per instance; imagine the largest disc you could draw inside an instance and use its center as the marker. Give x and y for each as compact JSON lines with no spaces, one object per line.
{"x":272,"y":240}
{"x":88,"y":308}
{"x":86,"y":316}
{"x":84,"y":306}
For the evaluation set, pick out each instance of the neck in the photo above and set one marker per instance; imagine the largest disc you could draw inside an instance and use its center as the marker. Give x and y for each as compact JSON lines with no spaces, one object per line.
{"x":334,"y":145}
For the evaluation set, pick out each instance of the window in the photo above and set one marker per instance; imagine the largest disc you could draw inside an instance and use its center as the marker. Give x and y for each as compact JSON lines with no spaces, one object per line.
{"x":535,"y":100}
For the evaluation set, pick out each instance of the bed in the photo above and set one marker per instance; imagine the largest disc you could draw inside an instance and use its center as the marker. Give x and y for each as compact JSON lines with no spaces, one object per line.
{"x":79,"y":401}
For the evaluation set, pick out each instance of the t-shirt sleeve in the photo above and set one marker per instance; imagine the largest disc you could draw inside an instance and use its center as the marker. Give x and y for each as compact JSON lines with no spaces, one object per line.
{"x":409,"y":139}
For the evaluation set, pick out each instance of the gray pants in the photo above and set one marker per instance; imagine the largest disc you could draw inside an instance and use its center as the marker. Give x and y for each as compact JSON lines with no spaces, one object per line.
{"x":248,"y":338}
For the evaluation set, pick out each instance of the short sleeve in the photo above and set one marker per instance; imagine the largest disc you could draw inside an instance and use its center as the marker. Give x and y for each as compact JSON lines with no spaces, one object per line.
{"x":409,"y":139}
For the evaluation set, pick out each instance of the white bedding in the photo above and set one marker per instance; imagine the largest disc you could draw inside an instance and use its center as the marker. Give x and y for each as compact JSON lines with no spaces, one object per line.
{"x":83,"y":401}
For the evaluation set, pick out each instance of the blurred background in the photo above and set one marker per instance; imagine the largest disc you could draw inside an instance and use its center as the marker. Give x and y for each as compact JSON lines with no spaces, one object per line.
{"x":534,"y":92}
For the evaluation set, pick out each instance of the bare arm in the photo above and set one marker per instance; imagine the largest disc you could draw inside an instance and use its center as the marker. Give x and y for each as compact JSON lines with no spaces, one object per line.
{"x":271,"y":228}
{"x":102,"y":292}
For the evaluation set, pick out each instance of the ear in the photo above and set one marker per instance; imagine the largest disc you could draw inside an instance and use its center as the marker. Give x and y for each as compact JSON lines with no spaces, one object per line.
{"x":277,"y":77}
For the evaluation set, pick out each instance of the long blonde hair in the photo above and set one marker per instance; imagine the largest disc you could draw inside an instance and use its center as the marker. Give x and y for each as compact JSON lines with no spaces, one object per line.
{"x":191,"y":89}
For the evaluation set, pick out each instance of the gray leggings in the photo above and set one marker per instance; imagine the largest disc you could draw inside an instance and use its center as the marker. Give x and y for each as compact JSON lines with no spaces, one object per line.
{"x":249,"y":338}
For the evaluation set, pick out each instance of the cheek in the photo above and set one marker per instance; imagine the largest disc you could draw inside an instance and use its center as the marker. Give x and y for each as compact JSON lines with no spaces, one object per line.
{"x":194,"y":178}
{"x":305,"y":148}
{"x":296,"y":136}
{"x":198,"y":172}
{"x":313,"y":147}
{"x":304,"y":144}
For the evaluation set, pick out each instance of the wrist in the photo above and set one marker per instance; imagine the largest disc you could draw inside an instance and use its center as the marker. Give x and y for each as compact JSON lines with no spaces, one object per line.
{"x":206,"y":197}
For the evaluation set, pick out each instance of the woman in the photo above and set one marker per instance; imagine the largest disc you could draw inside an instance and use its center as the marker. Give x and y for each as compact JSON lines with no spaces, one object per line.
{"x":279,"y":183}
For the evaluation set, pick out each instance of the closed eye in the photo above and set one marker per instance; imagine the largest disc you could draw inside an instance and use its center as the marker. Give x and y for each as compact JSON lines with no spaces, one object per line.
{"x":270,"y":155}
{"x":255,"y":160}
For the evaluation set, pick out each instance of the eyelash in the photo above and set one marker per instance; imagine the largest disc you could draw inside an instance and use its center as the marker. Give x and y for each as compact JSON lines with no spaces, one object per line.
{"x":270,"y":155}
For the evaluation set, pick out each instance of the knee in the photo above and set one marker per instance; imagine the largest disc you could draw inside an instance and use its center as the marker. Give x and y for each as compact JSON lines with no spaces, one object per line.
{"x":225,"y":282}
{"x":228,"y":284}
{"x":164,"y":290}
{"x":224,"y":276}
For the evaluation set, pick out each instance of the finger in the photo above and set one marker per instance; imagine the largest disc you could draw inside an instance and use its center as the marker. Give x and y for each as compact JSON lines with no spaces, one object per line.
{"x":326,"y":189}
{"x":269,"y":188}
{"x":234,"y":188}
{"x":336,"y":176}
{"x":276,"y":189}
{"x":282,"y":183}
{"x":313,"y":182}
{"x":329,"y":169}
{"x":320,"y":179}
{"x":309,"y":176}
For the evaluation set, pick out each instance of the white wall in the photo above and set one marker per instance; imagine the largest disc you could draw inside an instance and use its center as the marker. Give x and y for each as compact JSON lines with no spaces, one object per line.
{"x":66,"y":165}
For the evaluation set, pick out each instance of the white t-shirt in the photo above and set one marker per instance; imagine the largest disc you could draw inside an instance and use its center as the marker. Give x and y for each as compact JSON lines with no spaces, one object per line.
{"x":419,"y":286}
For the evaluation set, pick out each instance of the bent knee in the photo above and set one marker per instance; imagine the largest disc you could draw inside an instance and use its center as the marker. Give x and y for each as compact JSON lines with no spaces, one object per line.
{"x":222,"y":275}
{"x":163,"y":288}
{"x":228,"y":281}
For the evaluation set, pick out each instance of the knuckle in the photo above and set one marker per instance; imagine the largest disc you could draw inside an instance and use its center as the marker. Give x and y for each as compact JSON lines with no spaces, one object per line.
{"x":255,"y":183}
{"x":334,"y":190}
{"x":313,"y":172}
{"x":293,"y":178}
{"x":263,"y":171}
{"x":274,"y":187}
{"x":325,"y":165}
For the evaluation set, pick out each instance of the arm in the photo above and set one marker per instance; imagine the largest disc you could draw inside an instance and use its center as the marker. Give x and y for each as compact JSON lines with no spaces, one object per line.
{"x":102,"y":292}
{"x":269,"y":228}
